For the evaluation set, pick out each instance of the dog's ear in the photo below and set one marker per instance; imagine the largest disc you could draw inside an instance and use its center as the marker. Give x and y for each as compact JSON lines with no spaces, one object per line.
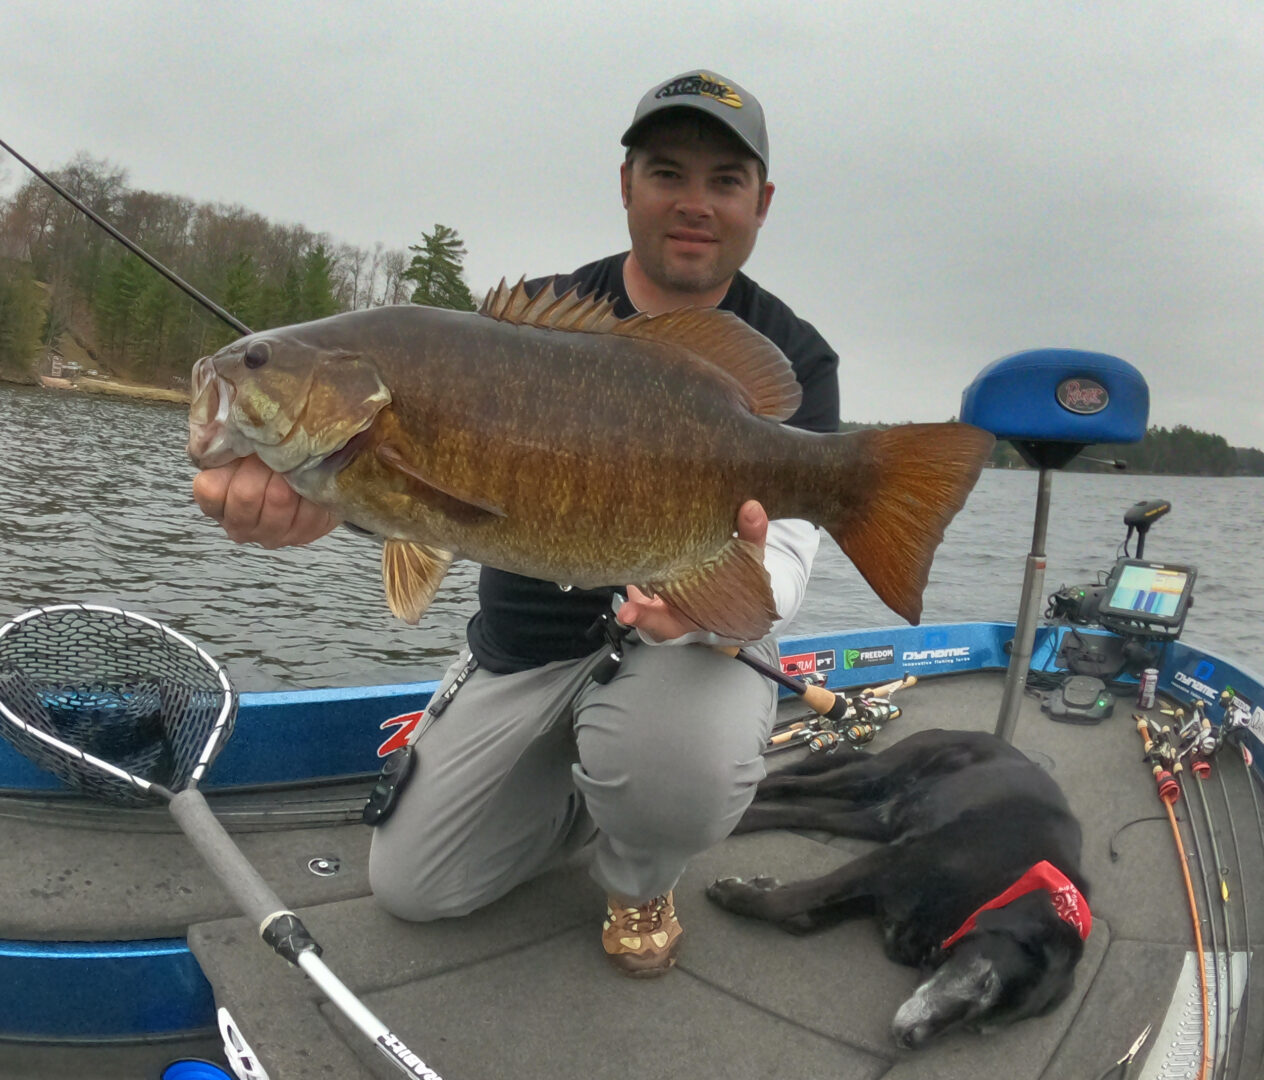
{"x":1037,"y":968}
{"x":1033,"y":922}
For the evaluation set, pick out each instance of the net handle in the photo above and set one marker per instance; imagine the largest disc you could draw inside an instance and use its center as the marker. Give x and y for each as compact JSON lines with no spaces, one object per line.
{"x":280,"y":927}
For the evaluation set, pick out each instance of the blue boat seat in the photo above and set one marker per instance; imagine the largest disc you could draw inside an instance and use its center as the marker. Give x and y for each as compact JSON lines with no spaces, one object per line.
{"x":1051,"y":403}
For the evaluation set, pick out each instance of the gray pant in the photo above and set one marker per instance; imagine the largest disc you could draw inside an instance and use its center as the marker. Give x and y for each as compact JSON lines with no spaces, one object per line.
{"x":523,"y":771}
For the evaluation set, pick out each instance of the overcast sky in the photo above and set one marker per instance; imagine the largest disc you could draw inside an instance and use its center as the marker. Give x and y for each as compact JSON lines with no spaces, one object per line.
{"x":955,"y":181}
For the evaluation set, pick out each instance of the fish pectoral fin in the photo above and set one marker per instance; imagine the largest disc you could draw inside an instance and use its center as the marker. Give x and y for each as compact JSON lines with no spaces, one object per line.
{"x":730,"y":594}
{"x":411,"y":573}
{"x":458,"y":505}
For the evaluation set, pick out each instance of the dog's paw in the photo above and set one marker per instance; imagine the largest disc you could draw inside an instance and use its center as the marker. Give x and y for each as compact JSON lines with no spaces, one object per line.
{"x":742,"y":897}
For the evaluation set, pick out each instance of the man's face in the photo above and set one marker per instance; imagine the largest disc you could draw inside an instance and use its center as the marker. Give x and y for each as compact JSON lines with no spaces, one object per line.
{"x":695,"y":205}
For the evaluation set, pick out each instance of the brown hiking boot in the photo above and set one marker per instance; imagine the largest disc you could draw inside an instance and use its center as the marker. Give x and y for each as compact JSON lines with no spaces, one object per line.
{"x":642,"y":941}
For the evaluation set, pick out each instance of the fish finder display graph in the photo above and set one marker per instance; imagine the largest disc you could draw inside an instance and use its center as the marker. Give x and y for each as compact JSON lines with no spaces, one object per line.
{"x":1149,"y":589}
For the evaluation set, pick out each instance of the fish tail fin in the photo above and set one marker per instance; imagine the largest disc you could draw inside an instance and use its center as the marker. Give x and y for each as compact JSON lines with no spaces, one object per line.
{"x":914,"y":480}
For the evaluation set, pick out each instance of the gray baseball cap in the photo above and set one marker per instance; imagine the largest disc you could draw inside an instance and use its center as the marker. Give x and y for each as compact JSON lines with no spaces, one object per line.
{"x":713,"y":94}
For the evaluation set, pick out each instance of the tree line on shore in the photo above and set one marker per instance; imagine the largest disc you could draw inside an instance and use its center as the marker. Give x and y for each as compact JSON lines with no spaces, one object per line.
{"x":60,"y":274}
{"x":1180,"y":451}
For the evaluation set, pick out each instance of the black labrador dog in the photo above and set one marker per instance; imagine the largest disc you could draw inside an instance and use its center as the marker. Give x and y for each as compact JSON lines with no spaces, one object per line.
{"x":979,"y":882}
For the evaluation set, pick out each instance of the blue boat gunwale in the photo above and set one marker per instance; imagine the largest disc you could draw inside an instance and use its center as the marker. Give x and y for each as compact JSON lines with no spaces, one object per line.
{"x":297,"y":736}
{"x":348,"y":726}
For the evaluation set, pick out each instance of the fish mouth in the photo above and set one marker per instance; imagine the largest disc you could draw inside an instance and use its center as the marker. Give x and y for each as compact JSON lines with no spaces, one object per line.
{"x":212,"y":441}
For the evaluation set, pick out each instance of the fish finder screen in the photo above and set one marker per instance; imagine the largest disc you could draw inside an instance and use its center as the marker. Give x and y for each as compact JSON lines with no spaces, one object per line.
{"x":1149,"y":592}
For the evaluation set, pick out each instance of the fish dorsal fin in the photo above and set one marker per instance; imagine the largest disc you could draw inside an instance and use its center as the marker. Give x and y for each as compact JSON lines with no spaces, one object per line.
{"x":763,"y":375}
{"x":546,"y":309}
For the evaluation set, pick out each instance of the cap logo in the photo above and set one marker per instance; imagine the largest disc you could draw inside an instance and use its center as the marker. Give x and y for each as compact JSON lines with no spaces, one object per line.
{"x":703,"y":85}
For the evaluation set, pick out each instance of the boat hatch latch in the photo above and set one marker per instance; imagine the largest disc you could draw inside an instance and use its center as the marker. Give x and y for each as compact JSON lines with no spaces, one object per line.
{"x":324,"y":865}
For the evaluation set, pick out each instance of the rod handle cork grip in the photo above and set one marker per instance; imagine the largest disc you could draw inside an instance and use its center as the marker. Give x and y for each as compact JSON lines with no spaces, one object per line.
{"x":1143,"y":729}
{"x":887,"y":689}
{"x":820,"y":700}
{"x":794,"y":731}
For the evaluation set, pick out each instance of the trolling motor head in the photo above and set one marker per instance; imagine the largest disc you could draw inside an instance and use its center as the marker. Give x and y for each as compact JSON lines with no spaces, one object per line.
{"x":1140,"y":516}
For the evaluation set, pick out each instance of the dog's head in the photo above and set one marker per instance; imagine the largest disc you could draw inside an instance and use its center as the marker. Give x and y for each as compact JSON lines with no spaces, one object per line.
{"x":1018,"y":961}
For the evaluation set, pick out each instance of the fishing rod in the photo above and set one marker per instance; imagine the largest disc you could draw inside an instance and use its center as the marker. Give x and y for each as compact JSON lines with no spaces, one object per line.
{"x":1246,"y":927}
{"x":1196,"y":747}
{"x":1233,"y":728}
{"x":1248,"y":766}
{"x":1205,"y":742}
{"x":134,"y":248}
{"x":1160,"y":754}
{"x":820,"y":700}
{"x":838,"y":718}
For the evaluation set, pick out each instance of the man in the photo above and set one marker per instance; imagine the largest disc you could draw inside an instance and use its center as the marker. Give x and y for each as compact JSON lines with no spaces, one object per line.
{"x":540,"y":751}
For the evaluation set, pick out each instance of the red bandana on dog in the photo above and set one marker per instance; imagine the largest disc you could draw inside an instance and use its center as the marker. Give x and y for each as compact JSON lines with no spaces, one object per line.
{"x":1068,"y":902}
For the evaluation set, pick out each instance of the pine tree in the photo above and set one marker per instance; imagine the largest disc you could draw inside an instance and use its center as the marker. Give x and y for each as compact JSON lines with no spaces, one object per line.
{"x":116,"y":299}
{"x":21,"y":321}
{"x":316,"y":291}
{"x":241,"y":295}
{"x":291,"y":298}
{"x":436,"y":271}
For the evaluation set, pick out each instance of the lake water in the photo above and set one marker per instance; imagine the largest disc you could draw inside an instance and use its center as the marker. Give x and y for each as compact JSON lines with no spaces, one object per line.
{"x":95,"y":505}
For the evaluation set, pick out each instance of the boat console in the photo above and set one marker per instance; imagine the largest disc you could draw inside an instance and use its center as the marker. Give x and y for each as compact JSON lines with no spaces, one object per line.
{"x":1141,"y":604}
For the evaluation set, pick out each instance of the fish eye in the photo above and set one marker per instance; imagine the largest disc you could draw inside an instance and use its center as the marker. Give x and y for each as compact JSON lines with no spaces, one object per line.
{"x":258,"y":353}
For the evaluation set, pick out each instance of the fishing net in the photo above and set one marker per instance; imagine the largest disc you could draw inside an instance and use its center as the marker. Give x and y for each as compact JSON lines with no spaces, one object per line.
{"x":116,"y":693}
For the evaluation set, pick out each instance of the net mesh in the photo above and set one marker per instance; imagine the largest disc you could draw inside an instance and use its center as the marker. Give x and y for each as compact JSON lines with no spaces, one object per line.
{"x":116,"y":686}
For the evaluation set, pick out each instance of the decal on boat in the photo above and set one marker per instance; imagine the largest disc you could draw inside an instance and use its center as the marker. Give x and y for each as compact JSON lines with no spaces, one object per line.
{"x":1256,"y":723}
{"x":868,"y":656}
{"x":405,"y":724}
{"x":922,"y":657}
{"x":241,"y":1057}
{"x":1196,"y":685}
{"x":808,"y":663}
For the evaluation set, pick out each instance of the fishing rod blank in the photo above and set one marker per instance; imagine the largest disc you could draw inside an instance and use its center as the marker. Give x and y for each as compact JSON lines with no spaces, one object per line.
{"x":1211,"y":921}
{"x":135,"y":249}
{"x":1234,"y":728}
{"x":1246,"y":925}
{"x":1223,"y":987}
{"x":128,"y":710}
{"x":1251,"y":781}
{"x":1168,"y":788}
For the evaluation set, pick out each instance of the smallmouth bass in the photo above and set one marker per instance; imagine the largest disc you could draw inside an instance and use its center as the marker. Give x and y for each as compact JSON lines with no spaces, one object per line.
{"x":546,"y":437}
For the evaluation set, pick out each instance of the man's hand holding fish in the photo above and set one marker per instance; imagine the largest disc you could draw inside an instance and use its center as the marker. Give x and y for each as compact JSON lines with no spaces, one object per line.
{"x":256,"y":505}
{"x":655,"y":620}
